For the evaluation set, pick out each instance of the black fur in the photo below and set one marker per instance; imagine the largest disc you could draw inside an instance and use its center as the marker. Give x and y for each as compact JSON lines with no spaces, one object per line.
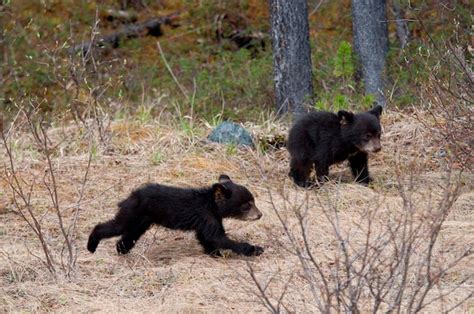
{"x":324,"y":138}
{"x":201,"y":210}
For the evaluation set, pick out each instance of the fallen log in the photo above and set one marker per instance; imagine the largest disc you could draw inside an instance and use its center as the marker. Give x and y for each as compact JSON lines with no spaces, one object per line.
{"x":235,"y":28}
{"x":151,"y":27}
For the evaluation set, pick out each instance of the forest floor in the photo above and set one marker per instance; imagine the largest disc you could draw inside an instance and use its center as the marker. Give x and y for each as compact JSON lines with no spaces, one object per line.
{"x":167,"y":271}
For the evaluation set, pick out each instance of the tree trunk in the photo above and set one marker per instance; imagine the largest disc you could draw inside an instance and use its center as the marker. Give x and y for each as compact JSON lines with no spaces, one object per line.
{"x":291,"y":55}
{"x":369,"y":23}
{"x":2,"y":54}
{"x":400,"y":23}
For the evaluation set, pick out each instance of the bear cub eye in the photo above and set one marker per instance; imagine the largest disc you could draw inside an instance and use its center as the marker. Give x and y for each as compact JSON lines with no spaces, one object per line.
{"x":246,"y":207}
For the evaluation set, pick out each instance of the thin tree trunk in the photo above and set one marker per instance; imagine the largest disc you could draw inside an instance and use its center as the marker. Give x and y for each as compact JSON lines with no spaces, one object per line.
{"x":369,"y":22}
{"x":2,"y":53}
{"x":291,"y":55}
{"x":400,"y":23}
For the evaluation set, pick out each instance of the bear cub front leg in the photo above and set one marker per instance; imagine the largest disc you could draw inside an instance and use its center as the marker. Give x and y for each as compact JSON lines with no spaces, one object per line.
{"x":212,"y":245}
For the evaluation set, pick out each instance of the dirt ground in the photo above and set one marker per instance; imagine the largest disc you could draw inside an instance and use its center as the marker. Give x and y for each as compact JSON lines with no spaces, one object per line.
{"x":167,"y":271}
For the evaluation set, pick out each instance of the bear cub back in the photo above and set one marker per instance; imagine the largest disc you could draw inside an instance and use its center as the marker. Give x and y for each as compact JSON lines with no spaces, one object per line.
{"x":321,"y":139}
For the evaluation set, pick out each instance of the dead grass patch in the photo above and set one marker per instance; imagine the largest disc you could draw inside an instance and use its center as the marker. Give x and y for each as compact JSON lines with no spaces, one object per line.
{"x":166,"y":271}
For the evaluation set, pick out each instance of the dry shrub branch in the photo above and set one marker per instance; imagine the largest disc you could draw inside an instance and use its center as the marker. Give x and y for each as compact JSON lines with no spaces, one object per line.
{"x":83,"y":87}
{"x":384,"y":259}
{"x":27,"y":185}
{"x":449,"y":99}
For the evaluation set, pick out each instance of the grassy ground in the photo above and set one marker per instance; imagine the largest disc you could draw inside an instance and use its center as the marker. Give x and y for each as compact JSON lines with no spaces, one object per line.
{"x":166,"y":271}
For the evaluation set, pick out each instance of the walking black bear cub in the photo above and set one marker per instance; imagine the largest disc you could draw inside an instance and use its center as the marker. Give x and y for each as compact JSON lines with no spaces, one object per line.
{"x":324,"y":138}
{"x":201,"y":210}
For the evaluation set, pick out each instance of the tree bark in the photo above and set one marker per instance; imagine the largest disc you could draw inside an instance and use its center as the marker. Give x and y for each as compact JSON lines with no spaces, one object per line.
{"x":291,"y":56}
{"x":370,"y":31}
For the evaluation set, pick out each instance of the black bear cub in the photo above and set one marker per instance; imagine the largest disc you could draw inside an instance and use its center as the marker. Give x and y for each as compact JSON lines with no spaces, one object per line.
{"x":201,"y":210}
{"x":324,"y":138}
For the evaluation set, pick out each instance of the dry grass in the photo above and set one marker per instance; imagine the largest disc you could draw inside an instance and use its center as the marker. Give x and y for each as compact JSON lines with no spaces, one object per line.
{"x":166,"y":271}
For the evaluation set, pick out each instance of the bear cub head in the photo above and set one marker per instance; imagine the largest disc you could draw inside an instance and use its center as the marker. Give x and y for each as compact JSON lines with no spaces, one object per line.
{"x":363,"y":130}
{"x":234,"y":200}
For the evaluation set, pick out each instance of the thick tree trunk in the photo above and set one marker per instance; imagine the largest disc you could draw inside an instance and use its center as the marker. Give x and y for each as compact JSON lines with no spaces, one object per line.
{"x":369,"y":23}
{"x":291,"y":55}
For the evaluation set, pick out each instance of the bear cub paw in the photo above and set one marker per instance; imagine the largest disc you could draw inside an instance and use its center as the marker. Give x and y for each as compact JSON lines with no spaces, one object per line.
{"x":252,"y":250}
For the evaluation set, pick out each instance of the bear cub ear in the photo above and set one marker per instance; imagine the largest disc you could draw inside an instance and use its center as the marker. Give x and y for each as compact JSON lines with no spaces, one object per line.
{"x":345,"y":117}
{"x":376,"y":111}
{"x":224,"y":178}
{"x":222,"y":190}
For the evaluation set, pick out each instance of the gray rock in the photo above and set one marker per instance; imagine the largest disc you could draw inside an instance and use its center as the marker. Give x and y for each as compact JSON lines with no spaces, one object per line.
{"x":231,"y":133}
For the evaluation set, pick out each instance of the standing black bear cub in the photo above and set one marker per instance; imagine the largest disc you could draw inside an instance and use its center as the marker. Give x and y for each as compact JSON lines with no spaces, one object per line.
{"x":201,"y":210}
{"x":324,"y":138}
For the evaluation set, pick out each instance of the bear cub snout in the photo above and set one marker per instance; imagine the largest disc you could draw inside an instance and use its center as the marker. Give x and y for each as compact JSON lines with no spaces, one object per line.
{"x":321,"y":139}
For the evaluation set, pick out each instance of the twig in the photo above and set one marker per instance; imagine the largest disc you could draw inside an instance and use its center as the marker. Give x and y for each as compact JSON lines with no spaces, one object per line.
{"x":181,"y":88}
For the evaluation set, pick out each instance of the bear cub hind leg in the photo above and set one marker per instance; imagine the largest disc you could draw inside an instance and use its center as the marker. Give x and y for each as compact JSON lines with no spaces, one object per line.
{"x":105,"y":230}
{"x":132,"y":233}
